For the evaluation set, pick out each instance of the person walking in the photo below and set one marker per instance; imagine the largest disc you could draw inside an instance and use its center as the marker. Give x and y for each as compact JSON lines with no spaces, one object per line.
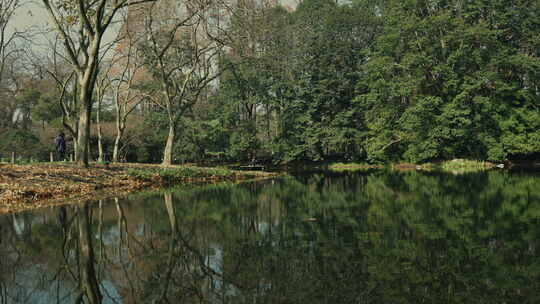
{"x":60,"y":144}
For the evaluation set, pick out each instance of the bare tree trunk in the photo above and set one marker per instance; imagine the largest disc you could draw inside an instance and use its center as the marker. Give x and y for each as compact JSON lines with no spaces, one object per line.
{"x":116,"y":147}
{"x":120,"y":127}
{"x":7,"y":36}
{"x":119,"y":130}
{"x":68,"y":106}
{"x":81,"y":152}
{"x":167,"y":153}
{"x":100,"y":136}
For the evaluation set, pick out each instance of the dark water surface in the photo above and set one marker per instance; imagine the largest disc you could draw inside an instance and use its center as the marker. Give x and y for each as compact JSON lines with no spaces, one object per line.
{"x":377,"y":237}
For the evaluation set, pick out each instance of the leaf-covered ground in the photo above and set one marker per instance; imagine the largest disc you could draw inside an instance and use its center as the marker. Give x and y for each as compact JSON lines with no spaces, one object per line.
{"x":32,"y":186}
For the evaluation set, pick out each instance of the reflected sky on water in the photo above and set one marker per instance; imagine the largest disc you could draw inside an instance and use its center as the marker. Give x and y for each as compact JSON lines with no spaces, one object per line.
{"x":368,"y":237}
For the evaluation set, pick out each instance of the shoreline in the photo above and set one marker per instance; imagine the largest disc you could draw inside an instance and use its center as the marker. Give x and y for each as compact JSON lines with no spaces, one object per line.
{"x":32,"y":186}
{"x":26,"y":187}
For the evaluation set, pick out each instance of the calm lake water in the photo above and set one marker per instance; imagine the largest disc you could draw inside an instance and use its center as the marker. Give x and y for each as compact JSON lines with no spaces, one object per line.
{"x":375,"y":237}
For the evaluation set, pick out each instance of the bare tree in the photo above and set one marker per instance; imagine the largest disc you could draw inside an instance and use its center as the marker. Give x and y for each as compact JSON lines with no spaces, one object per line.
{"x":7,"y":37}
{"x":8,"y":51}
{"x":9,"y":87}
{"x":124,"y":79}
{"x":102,"y":87}
{"x":181,"y":54}
{"x":53,"y":64}
{"x":82,"y":25}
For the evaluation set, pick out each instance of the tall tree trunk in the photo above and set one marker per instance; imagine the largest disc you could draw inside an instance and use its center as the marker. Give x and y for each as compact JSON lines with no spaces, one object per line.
{"x":69,"y":122}
{"x":75,"y":146}
{"x":87,"y":81}
{"x":100,"y":136}
{"x":116,"y":148}
{"x":120,"y":127}
{"x":81,"y":152}
{"x":167,"y":153}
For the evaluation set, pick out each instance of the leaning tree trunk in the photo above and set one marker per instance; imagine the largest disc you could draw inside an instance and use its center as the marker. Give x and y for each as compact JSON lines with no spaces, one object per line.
{"x":167,"y":154}
{"x":116,"y":148}
{"x":120,"y":127}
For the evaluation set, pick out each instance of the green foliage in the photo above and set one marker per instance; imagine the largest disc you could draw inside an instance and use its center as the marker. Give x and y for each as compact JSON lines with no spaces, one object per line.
{"x":340,"y":167}
{"x":441,"y":84}
{"x":25,"y":144}
{"x":292,"y":99}
{"x":202,"y":139}
{"x":141,"y":174}
{"x":26,"y":100}
{"x":151,"y":133}
{"x":178,"y":174}
{"x":465,"y":165}
{"x":171,"y":175}
{"x":47,"y":109}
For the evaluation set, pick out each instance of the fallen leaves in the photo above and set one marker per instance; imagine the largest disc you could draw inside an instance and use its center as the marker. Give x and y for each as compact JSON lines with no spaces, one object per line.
{"x":32,"y":186}
{"x":23,"y":187}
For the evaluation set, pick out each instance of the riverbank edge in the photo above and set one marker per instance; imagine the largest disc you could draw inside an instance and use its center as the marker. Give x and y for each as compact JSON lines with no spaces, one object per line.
{"x":460,"y":165}
{"x":31,"y":186}
{"x":25,"y":187}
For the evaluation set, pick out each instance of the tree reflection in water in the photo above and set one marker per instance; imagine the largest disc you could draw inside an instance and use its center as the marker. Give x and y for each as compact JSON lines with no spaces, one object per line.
{"x":374,"y":237}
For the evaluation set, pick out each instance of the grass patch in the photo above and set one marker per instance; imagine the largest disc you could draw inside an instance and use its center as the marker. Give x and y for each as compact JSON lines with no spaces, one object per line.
{"x":178,"y":174}
{"x":338,"y":167}
{"x":141,"y":174}
{"x":464,"y":165}
{"x":412,"y":166}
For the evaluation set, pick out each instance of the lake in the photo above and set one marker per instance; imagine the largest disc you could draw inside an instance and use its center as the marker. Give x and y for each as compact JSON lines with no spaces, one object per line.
{"x":352,"y":237}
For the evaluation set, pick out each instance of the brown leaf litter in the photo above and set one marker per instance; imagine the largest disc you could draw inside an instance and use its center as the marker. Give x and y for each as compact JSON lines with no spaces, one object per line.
{"x":31,"y":186}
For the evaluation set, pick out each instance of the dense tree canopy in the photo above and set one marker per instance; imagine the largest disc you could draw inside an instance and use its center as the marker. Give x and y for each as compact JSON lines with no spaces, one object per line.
{"x":393,"y":80}
{"x":373,"y":81}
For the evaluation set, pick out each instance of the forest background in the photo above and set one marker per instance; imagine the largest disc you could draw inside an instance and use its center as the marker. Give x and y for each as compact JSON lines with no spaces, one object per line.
{"x":368,"y":81}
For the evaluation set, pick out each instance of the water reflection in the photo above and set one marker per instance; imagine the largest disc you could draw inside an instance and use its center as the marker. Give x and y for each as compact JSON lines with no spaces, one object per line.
{"x":374,"y":237}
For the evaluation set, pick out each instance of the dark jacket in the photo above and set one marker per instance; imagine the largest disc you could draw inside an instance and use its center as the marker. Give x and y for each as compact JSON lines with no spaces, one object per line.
{"x":60,"y":143}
